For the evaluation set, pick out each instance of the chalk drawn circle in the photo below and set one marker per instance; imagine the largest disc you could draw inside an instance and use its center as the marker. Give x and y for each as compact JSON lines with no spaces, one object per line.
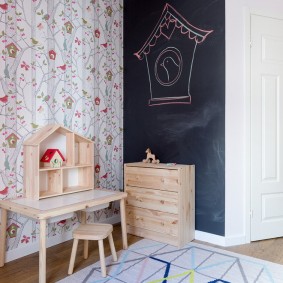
{"x":168,"y":66}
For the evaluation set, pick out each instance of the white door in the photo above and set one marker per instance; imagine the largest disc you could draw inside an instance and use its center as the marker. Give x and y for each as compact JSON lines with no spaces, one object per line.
{"x":266,"y":127}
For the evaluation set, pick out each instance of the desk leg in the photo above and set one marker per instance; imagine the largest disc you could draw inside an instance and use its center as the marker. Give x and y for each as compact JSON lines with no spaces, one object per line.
{"x":83,"y":216}
{"x":3,"y":236}
{"x":42,"y":252}
{"x":123,"y":223}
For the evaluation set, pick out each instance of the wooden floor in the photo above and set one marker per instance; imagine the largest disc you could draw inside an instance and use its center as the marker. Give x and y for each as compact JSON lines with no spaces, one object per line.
{"x":25,"y":270}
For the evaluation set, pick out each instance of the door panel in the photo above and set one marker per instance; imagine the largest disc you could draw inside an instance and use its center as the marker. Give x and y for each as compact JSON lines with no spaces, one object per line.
{"x":266,"y":127}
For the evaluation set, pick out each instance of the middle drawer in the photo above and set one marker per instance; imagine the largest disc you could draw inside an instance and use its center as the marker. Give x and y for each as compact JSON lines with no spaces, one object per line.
{"x":152,"y":199}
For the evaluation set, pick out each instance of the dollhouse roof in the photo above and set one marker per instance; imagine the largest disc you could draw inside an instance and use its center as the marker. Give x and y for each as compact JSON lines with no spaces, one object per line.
{"x":170,"y":20}
{"x":49,"y":153}
{"x":46,"y":131}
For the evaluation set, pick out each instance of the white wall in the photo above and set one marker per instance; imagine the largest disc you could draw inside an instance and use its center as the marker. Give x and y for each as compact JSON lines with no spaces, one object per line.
{"x":237,"y":99}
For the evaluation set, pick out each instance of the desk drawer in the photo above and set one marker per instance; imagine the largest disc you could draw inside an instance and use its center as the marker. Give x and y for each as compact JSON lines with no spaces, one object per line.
{"x":152,"y":199}
{"x":153,"y":220}
{"x":159,"y":178}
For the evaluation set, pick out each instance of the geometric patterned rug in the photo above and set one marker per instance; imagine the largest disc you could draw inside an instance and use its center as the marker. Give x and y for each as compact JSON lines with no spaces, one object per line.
{"x":149,"y":261}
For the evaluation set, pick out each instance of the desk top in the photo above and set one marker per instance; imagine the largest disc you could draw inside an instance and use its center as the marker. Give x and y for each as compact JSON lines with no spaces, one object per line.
{"x":54,"y":206}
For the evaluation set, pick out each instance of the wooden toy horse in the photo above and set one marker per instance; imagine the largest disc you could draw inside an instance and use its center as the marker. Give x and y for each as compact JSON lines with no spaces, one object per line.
{"x":150,"y":157}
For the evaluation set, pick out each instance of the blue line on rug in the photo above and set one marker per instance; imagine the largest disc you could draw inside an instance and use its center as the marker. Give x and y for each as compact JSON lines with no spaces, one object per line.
{"x":265,"y":268}
{"x":213,"y":265}
{"x":124,"y":257}
{"x":219,"y":280}
{"x":168,"y":264}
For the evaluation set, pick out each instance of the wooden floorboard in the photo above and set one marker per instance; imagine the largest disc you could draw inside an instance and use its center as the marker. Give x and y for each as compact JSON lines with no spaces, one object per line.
{"x":25,"y":269}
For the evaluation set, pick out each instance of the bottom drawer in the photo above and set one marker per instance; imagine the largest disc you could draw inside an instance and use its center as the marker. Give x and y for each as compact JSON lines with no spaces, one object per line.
{"x":156,"y":236}
{"x":158,"y":221}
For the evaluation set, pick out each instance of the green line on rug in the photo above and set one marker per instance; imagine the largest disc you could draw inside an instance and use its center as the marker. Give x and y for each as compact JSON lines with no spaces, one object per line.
{"x":191,"y":272}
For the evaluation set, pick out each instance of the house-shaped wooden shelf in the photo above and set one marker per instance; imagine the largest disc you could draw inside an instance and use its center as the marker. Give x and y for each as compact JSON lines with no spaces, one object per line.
{"x":77,"y":172}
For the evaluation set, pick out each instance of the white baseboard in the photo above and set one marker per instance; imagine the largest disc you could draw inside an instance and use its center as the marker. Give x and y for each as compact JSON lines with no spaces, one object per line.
{"x":220,"y":240}
{"x":210,"y":238}
{"x":52,"y":241}
{"x":236,"y":240}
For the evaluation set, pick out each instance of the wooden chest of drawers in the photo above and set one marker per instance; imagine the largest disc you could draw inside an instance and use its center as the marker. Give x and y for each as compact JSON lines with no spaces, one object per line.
{"x":161,"y":202}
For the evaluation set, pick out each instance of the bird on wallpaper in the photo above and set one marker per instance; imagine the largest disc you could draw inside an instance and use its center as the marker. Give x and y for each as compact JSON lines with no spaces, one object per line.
{"x":63,"y":67}
{"x":4,"y":191}
{"x":84,"y":21}
{"x":4,"y":99}
{"x":34,"y":41}
{"x":6,"y":72}
{"x":4,"y":6}
{"x":104,"y":110}
{"x":34,"y":126}
{"x":7,"y":163}
{"x":104,"y":176}
{"x":104,"y":44}
{"x":171,"y":68}
{"x":65,"y":44}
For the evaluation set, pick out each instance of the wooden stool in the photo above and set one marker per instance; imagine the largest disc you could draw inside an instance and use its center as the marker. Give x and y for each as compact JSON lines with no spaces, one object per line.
{"x":96,"y":232}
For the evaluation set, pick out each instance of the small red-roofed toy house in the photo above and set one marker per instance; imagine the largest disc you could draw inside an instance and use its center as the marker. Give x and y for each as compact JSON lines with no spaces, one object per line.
{"x":52,"y":158}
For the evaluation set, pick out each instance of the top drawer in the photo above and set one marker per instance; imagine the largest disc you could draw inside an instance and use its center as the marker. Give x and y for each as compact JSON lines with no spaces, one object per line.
{"x":154,"y":178}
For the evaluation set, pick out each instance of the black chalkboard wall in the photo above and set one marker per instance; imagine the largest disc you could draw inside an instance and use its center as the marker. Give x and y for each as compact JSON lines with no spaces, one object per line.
{"x":174,"y":85}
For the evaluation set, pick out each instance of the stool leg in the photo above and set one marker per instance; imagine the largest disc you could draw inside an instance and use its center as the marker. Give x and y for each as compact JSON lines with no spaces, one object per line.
{"x":112,"y":247}
{"x":102,"y":258}
{"x":73,"y":256}
{"x":83,"y":216}
{"x":85,"y":249}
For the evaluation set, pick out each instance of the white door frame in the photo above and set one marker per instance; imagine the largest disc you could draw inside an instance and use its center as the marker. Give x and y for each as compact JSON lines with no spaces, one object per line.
{"x":248,"y":14}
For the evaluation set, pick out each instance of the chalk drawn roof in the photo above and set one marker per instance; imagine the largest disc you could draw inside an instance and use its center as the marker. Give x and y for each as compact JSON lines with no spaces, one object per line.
{"x":172,"y":16}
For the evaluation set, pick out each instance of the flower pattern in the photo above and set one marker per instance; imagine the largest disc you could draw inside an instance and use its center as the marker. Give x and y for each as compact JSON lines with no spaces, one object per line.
{"x":56,"y":57}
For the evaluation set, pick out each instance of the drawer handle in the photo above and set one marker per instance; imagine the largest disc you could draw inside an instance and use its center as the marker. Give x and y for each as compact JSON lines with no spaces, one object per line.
{"x":139,"y":218}
{"x":162,"y":201}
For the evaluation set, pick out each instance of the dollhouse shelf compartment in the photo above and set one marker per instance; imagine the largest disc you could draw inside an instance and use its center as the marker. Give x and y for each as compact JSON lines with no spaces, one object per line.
{"x":76,"y":173}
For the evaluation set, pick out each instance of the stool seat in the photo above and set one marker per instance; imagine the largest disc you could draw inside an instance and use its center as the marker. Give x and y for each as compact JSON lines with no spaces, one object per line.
{"x":93,"y":231}
{"x":98,"y":232}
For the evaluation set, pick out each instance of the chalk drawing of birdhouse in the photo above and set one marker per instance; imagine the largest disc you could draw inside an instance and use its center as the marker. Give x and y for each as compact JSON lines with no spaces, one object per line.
{"x":12,"y":50}
{"x":109,"y":139}
{"x":109,"y":11}
{"x":109,"y":75}
{"x":12,"y":140}
{"x":69,"y":102}
{"x":52,"y":158}
{"x":69,"y":27}
{"x":12,"y":230}
{"x":169,"y":55}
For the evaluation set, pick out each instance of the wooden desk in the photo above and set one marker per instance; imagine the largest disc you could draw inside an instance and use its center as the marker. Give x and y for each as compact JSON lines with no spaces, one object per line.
{"x":44,"y":209}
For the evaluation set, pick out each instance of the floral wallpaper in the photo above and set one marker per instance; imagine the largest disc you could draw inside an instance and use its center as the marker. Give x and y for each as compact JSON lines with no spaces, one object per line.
{"x":61,"y":62}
